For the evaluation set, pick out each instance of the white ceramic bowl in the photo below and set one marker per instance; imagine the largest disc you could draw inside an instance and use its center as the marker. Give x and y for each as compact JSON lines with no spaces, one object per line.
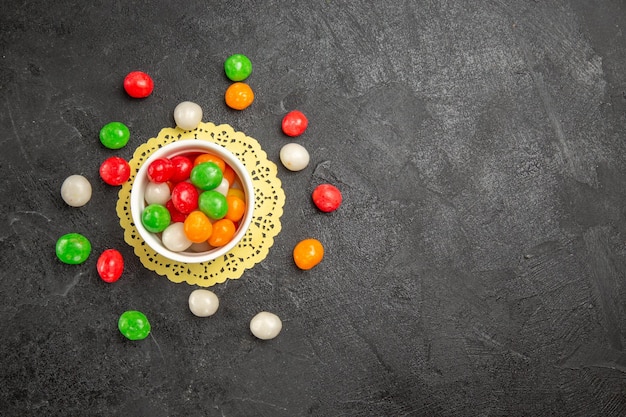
{"x":183,"y":147}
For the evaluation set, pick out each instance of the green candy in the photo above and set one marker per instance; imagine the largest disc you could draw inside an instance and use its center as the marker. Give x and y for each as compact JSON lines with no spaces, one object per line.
{"x":237,"y":67}
{"x":73,"y":248}
{"x":134,"y":325}
{"x":114,"y":135}
{"x":213,"y":204}
{"x":206,"y":176}
{"x":155,"y":218}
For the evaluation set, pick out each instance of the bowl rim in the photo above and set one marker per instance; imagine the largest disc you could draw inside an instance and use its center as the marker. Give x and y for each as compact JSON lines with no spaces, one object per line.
{"x":181,"y":147}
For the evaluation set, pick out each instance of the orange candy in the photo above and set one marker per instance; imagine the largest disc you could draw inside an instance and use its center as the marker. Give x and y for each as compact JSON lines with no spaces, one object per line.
{"x":239,"y":96}
{"x":223,"y":232}
{"x":236,"y":192}
{"x":229,"y":174}
{"x":236,"y":208}
{"x":308,"y":253}
{"x":198,"y":227}
{"x":208,"y":157}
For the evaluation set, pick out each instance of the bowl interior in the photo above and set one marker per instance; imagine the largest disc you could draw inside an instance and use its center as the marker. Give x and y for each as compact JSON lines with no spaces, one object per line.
{"x":183,"y":147}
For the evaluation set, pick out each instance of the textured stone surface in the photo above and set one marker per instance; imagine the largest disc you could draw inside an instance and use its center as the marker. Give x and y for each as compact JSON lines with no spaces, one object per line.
{"x":477,"y":265}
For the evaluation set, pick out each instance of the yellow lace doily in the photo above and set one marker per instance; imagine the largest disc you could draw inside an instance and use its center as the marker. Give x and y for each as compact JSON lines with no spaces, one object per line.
{"x":265,"y":225}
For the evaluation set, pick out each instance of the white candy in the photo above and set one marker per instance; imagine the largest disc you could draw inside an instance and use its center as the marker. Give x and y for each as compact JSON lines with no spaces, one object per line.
{"x":294,"y":157}
{"x":157,"y":193}
{"x":266,"y":325}
{"x":187,"y":115}
{"x":174,"y":237}
{"x":203,"y":303}
{"x":76,"y":191}
{"x":223,"y":187}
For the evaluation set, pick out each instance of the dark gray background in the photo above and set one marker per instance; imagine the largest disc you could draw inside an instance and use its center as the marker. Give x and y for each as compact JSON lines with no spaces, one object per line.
{"x":476,"y":267}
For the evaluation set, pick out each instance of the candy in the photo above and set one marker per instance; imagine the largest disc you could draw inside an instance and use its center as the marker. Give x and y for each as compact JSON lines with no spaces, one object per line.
{"x":134,"y":325}
{"x":182,"y":168}
{"x":223,"y":187}
{"x":236,"y":192}
{"x":223,"y":232}
{"x":229,"y":174}
{"x":209,"y":157}
{"x":203,"y":303}
{"x":175,"y":215}
{"x":239,"y":96}
{"x":308,"y":253}
{"x":157,"y":193}
{"x":115,"y":171}
{"x":294,"y":157}
{"x":160,"y":170}
{"x":237,"y":67}
{"x":326,"y":197}
{"x":73,"y":248}
{"x":114,"y":135}
{"x":198,"y":227}
{"x":236,"y":208}
{"x":185,"y":197}
{"x":138,"y":84}
{"x":206,"y":175}
{"x":76,"y":191}
{"x":155,"y":218}
{"x":174,"y":238}
{"x":265,"y":325}
{"x":110,"y":265}
{"x":213,"y":204}
{"x":294,"y":123}
{"x":187,"y":115}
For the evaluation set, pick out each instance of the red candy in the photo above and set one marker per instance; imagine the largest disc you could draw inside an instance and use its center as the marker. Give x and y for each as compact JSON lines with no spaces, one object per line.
{"x":327,"y":197}
{"x":294,"y":123}
{"x":115,"y":171}
{"x":182,"y":168}
{"x":160,"y":170}
{"x":110,"y":265}
{"x":185,"y":197}
{"x":175,"y":215}
{"x":138,"y":84}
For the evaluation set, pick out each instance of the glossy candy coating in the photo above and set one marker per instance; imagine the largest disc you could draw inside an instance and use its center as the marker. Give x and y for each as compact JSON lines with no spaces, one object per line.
{"x":187,"y":115}
{"x":114,"y":135}
{"x":229,"y":174}
{"x":138,"y":84}
{"x":155,"y":218}
{"x":175,"y":239}
{"x":239,"y":96}
{"x":209,"y":157}
{"x":175,"y":215}
{"x":115,"y":171}
{"x":203,"y":303}
{"x":223,"y":232}
{"x":198,"y":227}
{"x":236,"y":208}
{"x":326,"y":197}
{"x":237,"y":67}
{"x":294,"y":157}
{"x":160,"y":170}
{"x":206,"y":175}
{"x":157,"y":193}
{"x":76,"y":191}
{"x":73,"y":248}
{"x":223,"y":187}
{"x":237,"y":192}
{"x":213,"y":204}
{"x":185,"y":197}
{"x":182,"y":168}
{"x":308,"y":253}
{"x":265,"y":325}
{"x":134,"y":325}
{"x":110,"y":265}
{"x":294,"y":123}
